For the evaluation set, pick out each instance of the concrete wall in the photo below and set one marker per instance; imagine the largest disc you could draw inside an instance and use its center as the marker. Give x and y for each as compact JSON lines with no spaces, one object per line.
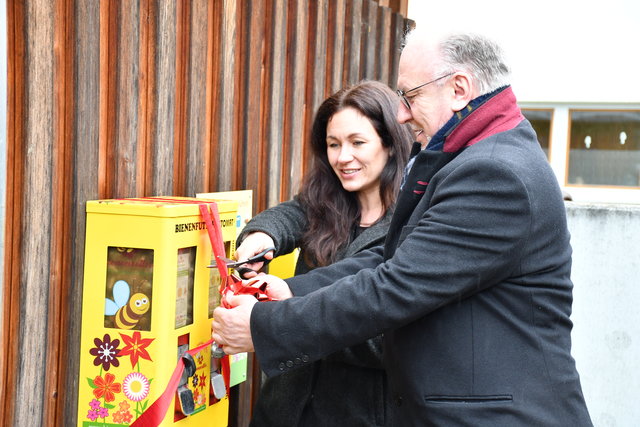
{"x":606,"y":309}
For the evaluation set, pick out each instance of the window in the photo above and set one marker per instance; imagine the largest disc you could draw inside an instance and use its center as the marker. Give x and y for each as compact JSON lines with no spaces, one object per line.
{"x":128,"y":288}
{"x":604,"y":148}
{"x":184,"y":286}
{"x":541,"y":122}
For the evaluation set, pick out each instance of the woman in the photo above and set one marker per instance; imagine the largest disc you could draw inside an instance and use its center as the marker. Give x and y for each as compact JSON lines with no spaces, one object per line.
{"x":359,"y":153}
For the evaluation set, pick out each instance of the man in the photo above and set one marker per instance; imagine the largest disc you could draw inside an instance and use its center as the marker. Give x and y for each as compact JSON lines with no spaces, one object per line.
{"x":472,"y":288}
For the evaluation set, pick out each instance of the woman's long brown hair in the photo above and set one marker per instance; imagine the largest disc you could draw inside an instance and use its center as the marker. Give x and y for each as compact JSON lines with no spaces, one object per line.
{"x":332,"y":211}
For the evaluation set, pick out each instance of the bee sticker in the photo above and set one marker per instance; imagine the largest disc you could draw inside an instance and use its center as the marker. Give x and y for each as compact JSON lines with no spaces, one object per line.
{"x":127,"y":310}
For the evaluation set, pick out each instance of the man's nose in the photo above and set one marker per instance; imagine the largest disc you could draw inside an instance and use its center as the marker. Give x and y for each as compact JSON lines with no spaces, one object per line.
{"x":404,"y":114}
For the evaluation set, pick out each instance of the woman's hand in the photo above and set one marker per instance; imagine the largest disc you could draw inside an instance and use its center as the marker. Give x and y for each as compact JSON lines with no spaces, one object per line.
{"x":253,"y":244}
{"x":277,"y":289}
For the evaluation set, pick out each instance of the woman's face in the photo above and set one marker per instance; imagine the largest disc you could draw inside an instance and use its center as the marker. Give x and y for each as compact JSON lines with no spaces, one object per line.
{"x":355,"y":151}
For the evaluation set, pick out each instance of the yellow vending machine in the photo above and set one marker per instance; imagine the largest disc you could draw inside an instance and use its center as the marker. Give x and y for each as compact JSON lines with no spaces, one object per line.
{"x":148,"y":298}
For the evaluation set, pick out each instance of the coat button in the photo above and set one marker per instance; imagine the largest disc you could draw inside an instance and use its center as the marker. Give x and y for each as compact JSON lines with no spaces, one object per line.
{"x":398,"y":400}
{"x":305,"y":358}
{"x":281,"y":366}
{"x":289,"y":363}
{"x":297,"y":361}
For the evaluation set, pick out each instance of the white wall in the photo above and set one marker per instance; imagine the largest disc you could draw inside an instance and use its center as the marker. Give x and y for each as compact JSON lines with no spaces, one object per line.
{"x":606,"y":333}
{"x":559,"y":50}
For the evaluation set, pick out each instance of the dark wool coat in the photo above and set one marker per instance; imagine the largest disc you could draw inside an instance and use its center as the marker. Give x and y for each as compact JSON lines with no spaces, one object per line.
{"x":472,"y":288}
{"x":346,"y":388}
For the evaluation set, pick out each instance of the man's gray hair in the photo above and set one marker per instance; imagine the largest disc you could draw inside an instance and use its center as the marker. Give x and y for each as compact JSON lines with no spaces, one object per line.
{"x":477,"y":55}
{"x":482,"y":58}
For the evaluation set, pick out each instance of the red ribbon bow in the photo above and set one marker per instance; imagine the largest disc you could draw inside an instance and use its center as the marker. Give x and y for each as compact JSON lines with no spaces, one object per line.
{"x":231,"y":284}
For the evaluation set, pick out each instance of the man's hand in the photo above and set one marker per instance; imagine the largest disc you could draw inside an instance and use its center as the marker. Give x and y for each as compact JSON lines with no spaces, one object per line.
{"x":231,"y":327}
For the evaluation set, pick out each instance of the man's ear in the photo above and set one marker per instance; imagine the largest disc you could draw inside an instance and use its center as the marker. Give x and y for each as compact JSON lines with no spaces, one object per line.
{"x":462,"y":90}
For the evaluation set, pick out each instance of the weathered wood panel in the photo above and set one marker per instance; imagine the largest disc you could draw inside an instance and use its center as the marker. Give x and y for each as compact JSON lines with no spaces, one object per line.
{"x":399,"y":27}
{"x":316,"y":65}
{"x":370,"y":49}
{"x":85,"y":152}
{"x":352,"y":44}
{"x":183,"y":36}
{"x":36,"y":231}
{"x":295,"y":97}
{"x":228,"y":94}
{"x":127,"y":160}
{"x":250,"y":164}
{"x":384,"y":45}
{"x":335,"y":45}
{"x":196,"y":160}
{"x":107,"y":120}
{"x":11,"y":292}
{"x":62,"y":197}
{"x":163,"y":97}
{"x":146,"y":100}
{"x":276,"y":49}
{"x":214,"y":13}
{"x":152,"y":97}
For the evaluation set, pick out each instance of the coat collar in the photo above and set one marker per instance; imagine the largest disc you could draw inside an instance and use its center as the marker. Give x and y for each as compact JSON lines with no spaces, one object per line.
{"x":376,"y":232}
{"x":484,"y":116}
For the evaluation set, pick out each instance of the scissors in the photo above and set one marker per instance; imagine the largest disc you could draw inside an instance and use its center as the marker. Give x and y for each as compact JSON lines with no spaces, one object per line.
{"x":243,"y":270}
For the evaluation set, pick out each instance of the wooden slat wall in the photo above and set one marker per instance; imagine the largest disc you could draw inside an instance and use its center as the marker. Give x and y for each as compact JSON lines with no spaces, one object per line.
{"x":153,"y":97}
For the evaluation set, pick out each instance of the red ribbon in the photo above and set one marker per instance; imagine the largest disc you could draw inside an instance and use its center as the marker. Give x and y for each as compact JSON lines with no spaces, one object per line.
{"x":217,"y":245}
{"x":155,"y":413}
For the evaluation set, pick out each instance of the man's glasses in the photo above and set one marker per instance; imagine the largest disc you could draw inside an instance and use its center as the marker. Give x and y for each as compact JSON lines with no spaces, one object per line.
{"x":403,"y":93}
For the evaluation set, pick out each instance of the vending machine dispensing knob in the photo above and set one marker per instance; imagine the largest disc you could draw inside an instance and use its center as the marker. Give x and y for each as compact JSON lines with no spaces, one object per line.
{"x":185,"y":396}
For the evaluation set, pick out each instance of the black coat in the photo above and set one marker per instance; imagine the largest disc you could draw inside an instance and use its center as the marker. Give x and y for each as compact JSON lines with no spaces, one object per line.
{"x":346,"y":388}
{"x":472,"y":288}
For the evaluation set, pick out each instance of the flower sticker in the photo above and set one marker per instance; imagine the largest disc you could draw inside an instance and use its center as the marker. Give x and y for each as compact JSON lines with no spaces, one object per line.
{"x":199,"y":398}
{"x":126,"y":417}
{"x":106,"y":387}
{"x":92,"y":415}
{"x":105,"y":352}
{"x":95,"y":404}
{"x":135,"y":386}
{"x":117,"y":417}
{"x":122,"y":417}
{"x":135,"y":347}
{"x":97,"y":411}
{"x":124,"y":406}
